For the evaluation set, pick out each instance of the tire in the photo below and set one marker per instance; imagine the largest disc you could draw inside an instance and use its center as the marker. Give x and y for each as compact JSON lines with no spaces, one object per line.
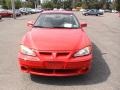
{"x":11,"y":15}
{"x":86,"y":14}
{"x":97,"y":14}
{"x":20,"y":15}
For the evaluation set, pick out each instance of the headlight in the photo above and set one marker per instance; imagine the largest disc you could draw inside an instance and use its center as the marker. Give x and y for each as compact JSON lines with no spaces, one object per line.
{"x":27,"y":51}
{"x":83,"y":52}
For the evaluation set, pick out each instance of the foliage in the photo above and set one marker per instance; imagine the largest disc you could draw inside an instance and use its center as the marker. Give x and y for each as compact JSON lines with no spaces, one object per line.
{"x":117,"y":4}
{"x":4,"y":4}
{"x":66,"y":4}
{"x":8,"y":3}
{"x":78,"y":4}
{"x":48,"y":5}
{"x":30,"y":5}
{"x":58,"y":4}
{"x":17,"y":4}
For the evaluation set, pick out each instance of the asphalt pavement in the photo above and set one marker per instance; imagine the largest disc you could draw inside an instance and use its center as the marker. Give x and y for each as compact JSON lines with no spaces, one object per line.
{"x":104,"y":32}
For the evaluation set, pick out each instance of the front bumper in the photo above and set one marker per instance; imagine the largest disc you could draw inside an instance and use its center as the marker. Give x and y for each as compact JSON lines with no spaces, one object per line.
{"x":64,"y":67}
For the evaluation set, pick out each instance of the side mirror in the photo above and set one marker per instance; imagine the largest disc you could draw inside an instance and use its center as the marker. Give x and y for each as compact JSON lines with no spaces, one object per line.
{"x":83,"y":24}
{"x":30,"y":23}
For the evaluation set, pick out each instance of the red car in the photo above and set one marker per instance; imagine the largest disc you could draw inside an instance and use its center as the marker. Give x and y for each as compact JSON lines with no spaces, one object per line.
{"x":55,"y":45}
{"x":0,"y":17}
{"x":5,"y":13}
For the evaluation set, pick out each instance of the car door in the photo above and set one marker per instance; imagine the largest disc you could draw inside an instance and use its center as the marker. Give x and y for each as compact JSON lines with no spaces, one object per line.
{"x":91,"y":12}
{"x":4,"y":13}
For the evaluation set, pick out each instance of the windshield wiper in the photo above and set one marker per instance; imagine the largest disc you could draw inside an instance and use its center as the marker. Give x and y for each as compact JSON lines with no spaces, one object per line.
{"x":39,"y":26}
{"x":61,"y":27}
{"x":42,"y":27}
{"x":54,"y":27}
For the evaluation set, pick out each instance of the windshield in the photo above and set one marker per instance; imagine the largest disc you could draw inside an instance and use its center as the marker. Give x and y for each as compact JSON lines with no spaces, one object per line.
{"x":57,"y":21}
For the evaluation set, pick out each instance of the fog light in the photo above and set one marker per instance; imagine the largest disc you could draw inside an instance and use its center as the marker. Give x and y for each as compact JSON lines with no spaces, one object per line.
{"x":24,"y":68}
{"x":84,"y":69}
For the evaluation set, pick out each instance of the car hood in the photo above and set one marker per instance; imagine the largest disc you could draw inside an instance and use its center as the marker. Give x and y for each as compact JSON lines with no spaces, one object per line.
{"x":54,"y":39}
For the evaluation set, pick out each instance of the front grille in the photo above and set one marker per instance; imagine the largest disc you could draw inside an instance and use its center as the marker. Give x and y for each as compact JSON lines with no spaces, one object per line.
{"x":52,"y":71}
{"x":46,"y":53}
{"x":54,"y":54}
{"x":62,"y":54}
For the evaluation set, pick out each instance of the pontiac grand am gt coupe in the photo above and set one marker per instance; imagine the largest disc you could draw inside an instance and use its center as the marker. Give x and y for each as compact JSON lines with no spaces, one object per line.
{"x":55,"y":45}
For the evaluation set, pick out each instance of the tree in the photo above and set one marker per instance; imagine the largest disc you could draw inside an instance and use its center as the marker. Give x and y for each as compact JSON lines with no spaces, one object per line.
{"x":0,"y":2}
{"x":78,"y":4}
{"x":67,"y":4}
{"x":48,"y":5}
{"x":4,"y":4}
{"x":55,"y":1}
{"x":8,"y":4}
{"x":17,"y":4}
{"x":96,"y":4}
{"x":85,"y":4}
{"x":117,"y":4}
{"x":93,"y":4}
{"x":29,"y":4}
{"x":32,"y":3}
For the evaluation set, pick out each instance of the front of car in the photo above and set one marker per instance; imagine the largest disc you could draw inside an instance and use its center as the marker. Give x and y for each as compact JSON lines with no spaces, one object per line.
{"x":56,"y":45}
{"x":101,"y":12}
{"x":84,"y":12}
{"x":17,"y":12}
{"x":24,"y":11}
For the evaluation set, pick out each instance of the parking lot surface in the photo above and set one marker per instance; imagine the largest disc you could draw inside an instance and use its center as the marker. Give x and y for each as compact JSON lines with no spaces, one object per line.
{"x":104,"y":32}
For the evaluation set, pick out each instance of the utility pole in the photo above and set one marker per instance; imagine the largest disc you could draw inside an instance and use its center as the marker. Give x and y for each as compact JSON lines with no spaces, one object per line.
{"x":73,"y":4}
{"x":63,"y":4}
{"x":13,"y":8}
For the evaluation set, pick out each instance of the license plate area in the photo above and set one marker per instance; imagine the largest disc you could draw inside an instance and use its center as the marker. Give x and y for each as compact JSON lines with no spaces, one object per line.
{"x":54,"y":65}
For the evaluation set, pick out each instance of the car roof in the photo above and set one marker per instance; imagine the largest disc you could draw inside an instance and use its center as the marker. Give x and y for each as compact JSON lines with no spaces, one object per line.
{"x":58,"y":12}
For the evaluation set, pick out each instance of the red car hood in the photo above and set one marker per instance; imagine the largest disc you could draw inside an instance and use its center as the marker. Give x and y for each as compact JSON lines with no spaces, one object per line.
{"x":54,"y":39}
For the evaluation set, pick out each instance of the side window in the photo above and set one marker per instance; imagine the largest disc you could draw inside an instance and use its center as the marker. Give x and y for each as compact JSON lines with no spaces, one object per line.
{"x":92,"y":10}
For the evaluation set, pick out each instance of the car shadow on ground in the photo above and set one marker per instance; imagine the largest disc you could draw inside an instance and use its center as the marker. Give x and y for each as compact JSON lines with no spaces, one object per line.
{"x":1,"y":20}
{"x":95,"y":16}
{"x":98,"y":74}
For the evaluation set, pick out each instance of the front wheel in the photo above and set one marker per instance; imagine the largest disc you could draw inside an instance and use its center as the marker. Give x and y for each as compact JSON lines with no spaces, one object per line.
{"x":97,"y":14}
{"x":10,"y":16}
{"x":86,"y":14}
